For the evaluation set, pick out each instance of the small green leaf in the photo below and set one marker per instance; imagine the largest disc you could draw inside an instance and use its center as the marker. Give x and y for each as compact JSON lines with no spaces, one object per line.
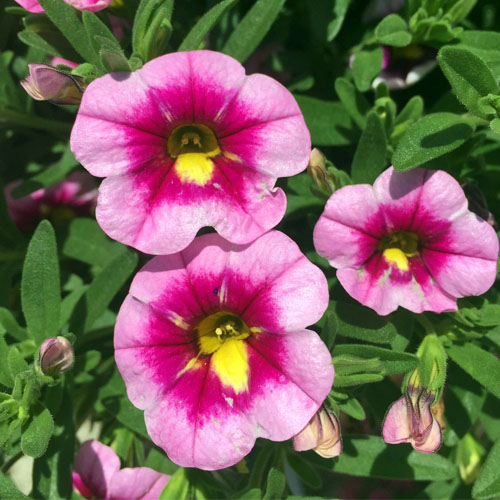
{"x":362,"y":323}
{"x":369,"y":159}
{"x":36,"y":433}
{"x":431,"y":137}
{"x":391,"y":362}
{"x":11,"y":326}
{"x":177,"y":487}
{"x":40,"y":287}
{"x":67,"y":19}
{"x":340,"y":10}
{"x":393,"y":30}
{"x":198,"y":32}
{"x":276,"y":483}
{"x":15,"y":361}
{"x":369,"y":456}
{"x":469,"y":77}
{"x":354,"y":102}
{"x":479,"y":364}
{"x":252,"y":28}
{"x":412,"y":110}
{"x":5,"y":374}
{"x":495,"y":125}
{"x":8,"y":491}
{"x":487,"y":485}
{"x":328,"y":121}
{"x":357,"y":379}
{"x":353,"y":408}
{"x":366,"y":66}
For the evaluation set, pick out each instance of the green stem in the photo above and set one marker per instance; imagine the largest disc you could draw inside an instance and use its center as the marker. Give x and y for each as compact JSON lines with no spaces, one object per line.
{"x":9,"y":118}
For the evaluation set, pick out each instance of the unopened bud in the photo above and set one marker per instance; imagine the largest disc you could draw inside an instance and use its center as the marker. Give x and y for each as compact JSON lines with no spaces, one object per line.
{"x":317,"y":170}
{"x":56,"y":356}
{"x":321,"y":434}
{"x":46,"y":83}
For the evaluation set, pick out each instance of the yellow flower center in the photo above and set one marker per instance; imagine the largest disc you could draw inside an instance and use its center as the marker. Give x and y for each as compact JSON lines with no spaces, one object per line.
{"x":192,"y":146}
{"x":398,"y":247}
{"x":222,"y":336}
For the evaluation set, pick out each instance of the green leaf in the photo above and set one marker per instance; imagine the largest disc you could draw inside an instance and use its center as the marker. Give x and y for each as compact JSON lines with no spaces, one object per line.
{"x":354,"y":102}
{"x":67,"y":19}
{"x":35,"y":40}
{"x":40,"y":288}
{"x":369,"y":456}
{"x":340,"y":10}
{"x":412,"y":110}
{"x":102,"y":290}
{"x":362,"y":323}
{"x":469,"y":77}
{"x":87,"y":242}
{"x":253,"y":494}
{"x":55,"y":173}
{"x":369,"y":159}
{"x":391,"y":361}
{"x":487,"y":485}
{"x":479,"y":364}
{"x":11,"y":326}
{"x":352,"y":407}
{"x":329,"y":330}
{"x":328,"y":121}
{"x":252,"y":28}
{"x":357,"y":379}
{"x":5,"y":375}
{"x":104,"y":42}
{"x":366,"y":66}
{"x":485,"y":44}
{"x":431,"y":137}
{"x":393,"y":30}
{"x":52,"y":472}
{"x":8,"y":490}
{"x":37,"y":433}
{"x":15,"y":362}
{"x":305,"y":470}
{"x":276,"y":483}
{"x":177,"y":487}
{"x":198,"y":32}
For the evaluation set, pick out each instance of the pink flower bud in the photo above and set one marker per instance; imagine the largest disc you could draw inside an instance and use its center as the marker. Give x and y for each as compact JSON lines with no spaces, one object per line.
{"x":55,"y":356}
{"x":46,"y":83}
{"x":410,"y":420}
{"x":321,"y":434}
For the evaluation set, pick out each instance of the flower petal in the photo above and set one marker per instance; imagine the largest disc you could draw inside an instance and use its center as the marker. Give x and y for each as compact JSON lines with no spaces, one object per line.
{"x":433,"y":441}
{"x":395,"y":428}
{"x":96,"y":464}
{"x":139,"y":483}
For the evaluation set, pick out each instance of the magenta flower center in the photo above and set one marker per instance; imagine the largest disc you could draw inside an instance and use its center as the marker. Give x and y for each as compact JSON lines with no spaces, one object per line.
{"x":398,"y":247}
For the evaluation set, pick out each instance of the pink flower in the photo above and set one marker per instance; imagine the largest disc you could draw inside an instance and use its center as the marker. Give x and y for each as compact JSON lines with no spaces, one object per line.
{"x":189,"y":141}
{"x":407,"y":241}
{"x":410,"y":420}
{"x":72,"y":197}
{"x":92,"y":5}
{"x":321,"y":434}
{"x":55,"y":355}
{"x":97,"y":475}
{"x":54,"y":61}
{"x":211,"y":343}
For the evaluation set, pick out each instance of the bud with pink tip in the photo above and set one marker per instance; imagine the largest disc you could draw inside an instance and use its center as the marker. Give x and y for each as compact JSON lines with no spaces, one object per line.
{"x":46,"y":83}
{"x":55,"y":356}
{"x":321,"y":434}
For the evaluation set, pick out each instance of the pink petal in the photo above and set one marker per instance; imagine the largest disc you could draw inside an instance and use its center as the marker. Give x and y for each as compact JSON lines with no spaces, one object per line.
{"x":139,"y":483}
{"x":350,"y":228}
{"x":30,"y":5}
{"x":433,"y":441}
{"x":395,"y":428}
{"x":464,"y":259}
{"x":90,"y":5}
{"x":383,"y":287}
{"x":96,"y":463}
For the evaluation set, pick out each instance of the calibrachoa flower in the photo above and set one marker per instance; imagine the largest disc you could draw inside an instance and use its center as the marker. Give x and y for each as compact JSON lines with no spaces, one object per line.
{"x":97,"y":475}
{"x":189,"y":141}
{"x":321,"y":434}
{"x":410,"y":419}
{"x":55,"y":355}
{"x":407,"y":241}
{"x":92,"y":5}
{"x":211,"y":343}
{"x":72,"y":197}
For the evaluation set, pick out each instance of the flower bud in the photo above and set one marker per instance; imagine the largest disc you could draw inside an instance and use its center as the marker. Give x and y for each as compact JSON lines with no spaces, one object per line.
{"x":55,"y":356}
{"x":46,"y":83}
{"x":317,"y":170}
{"x":469,"y":456}
{"x":321,"y":434}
